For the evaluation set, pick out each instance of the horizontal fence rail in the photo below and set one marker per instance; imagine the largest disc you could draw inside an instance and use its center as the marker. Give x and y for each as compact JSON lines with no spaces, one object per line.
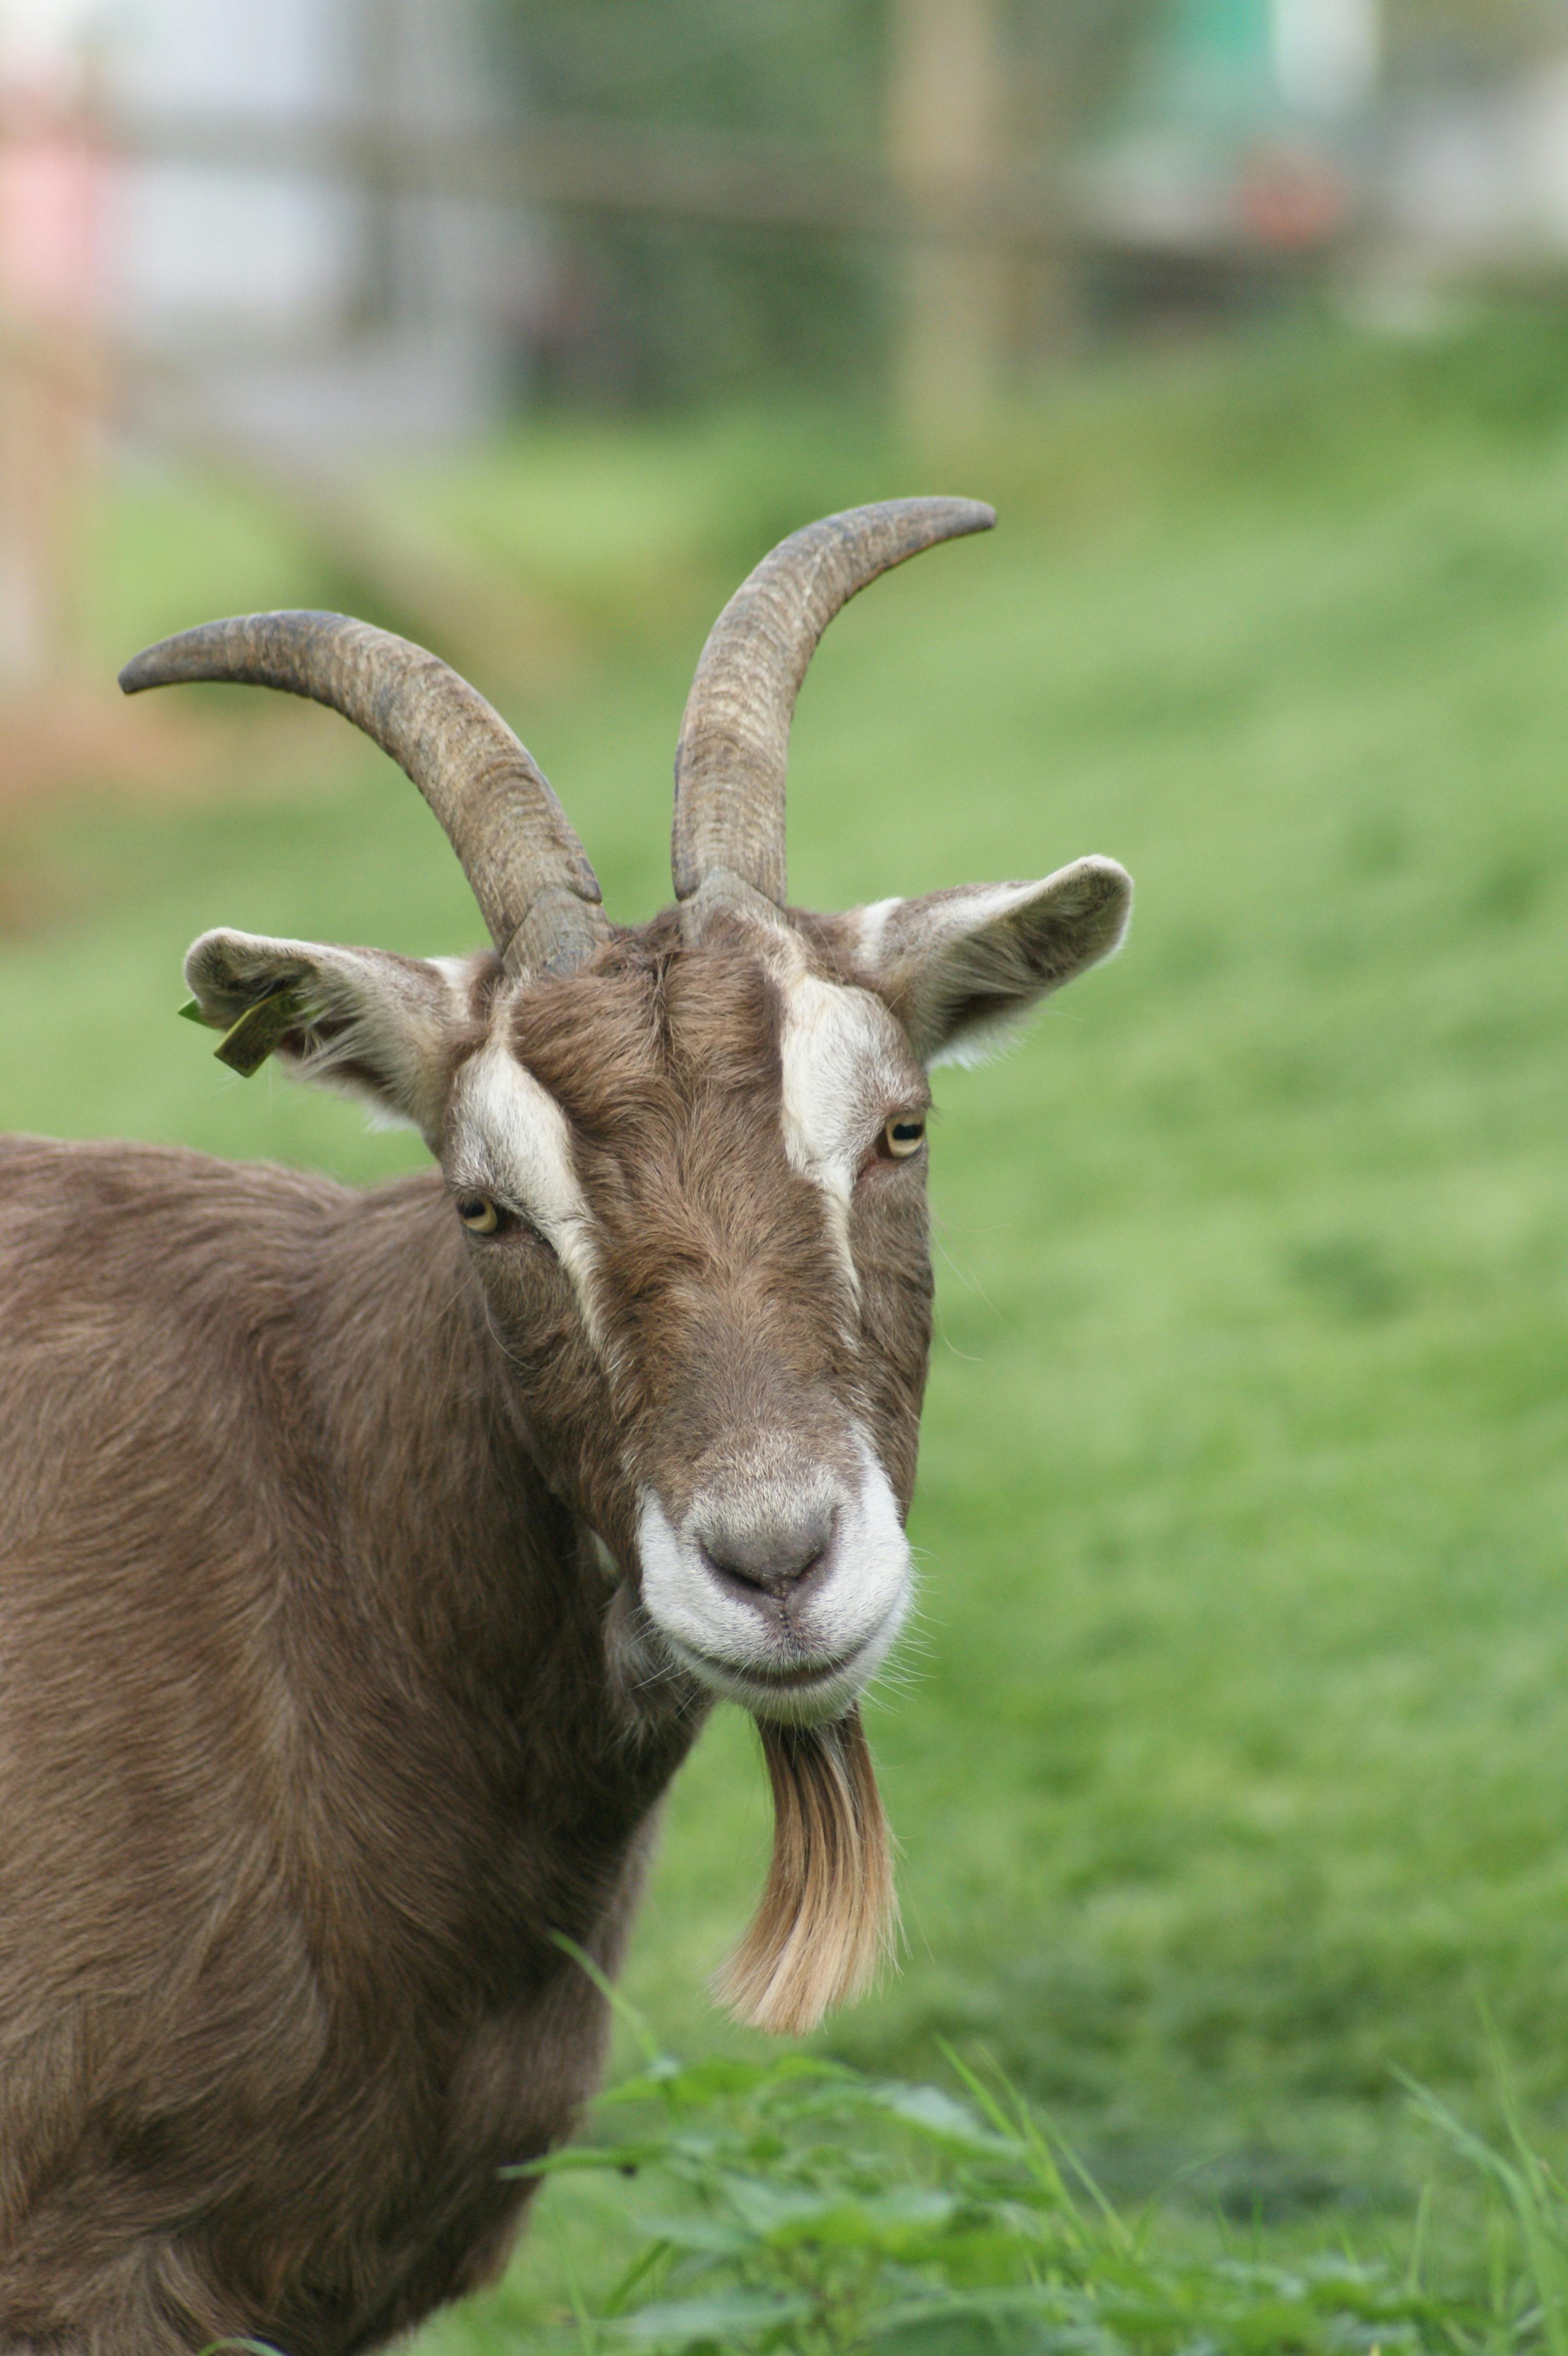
{"x":595,"y":166}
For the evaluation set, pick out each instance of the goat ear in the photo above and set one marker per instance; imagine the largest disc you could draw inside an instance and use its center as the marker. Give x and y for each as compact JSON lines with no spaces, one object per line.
{"x":956,"y":967}
{"x":362,"y":1020}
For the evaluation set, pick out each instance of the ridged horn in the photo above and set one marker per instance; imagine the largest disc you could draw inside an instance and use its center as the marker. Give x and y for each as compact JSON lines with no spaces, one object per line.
{"x":735,"y":737}
{"x":530,"y":874}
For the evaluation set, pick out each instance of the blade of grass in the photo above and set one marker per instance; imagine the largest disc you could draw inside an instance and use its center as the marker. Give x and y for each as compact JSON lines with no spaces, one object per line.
{"x":627,"y":2014}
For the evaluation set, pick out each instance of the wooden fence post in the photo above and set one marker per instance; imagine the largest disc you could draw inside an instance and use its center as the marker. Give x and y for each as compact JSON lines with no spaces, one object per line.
{"x":945,"y":119}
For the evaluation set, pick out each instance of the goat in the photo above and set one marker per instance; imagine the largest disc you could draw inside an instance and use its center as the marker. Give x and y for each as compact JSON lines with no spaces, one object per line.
{"x":369,"y":1560}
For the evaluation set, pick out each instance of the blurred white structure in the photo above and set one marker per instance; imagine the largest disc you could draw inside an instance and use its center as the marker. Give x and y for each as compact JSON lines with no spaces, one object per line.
{"x":1326,"y":54}
{"x":1479,"y":178}
{"x":308,"y":312}
{"x":204,"y":254}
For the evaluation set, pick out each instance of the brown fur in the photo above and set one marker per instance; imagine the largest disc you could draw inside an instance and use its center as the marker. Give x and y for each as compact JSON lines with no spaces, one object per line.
{"x":305,"y":1753}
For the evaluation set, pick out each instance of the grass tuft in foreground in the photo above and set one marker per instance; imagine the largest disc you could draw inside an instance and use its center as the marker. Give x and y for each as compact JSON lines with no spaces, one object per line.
{"x":798,"y":2204}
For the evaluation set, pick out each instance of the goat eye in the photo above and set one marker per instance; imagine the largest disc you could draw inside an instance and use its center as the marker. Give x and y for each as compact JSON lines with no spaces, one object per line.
{"x":903,"y":1135}
{"x":478,"y":1214}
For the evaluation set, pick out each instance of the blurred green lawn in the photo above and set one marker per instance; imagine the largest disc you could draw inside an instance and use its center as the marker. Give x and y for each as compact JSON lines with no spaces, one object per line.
{"x":1228,"y":1762}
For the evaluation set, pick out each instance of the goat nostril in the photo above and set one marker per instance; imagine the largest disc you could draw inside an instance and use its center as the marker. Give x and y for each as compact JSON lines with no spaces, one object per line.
{"x":771,"y":1554}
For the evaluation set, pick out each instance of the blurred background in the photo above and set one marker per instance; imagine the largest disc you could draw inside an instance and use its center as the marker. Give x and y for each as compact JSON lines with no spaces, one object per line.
{"x":1228,"y":1764}
{"x":272,"y":244}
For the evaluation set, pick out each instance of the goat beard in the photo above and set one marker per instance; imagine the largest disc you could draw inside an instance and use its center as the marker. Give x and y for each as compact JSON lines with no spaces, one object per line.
{"x":827,"y":1918}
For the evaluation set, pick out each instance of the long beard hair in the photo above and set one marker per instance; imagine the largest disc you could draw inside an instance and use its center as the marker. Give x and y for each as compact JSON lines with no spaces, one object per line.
{"x":827,"y":1918}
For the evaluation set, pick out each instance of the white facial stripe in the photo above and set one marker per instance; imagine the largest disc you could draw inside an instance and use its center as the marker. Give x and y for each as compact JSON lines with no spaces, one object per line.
{"x":841,"y":1075}
{"x":513,"y":1141}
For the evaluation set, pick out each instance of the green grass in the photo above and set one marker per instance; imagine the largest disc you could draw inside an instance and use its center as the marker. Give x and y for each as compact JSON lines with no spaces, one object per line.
{"x":1228,"y":1764}
{"x":800,"y":2206}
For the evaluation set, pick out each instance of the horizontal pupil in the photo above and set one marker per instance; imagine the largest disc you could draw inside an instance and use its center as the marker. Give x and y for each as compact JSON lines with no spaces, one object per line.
{"x":903,"y":1130}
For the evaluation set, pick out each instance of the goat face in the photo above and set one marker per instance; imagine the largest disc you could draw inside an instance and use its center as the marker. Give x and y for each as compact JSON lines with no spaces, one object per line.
{"x":692,"y":1174}
{"x":687,"y":1151}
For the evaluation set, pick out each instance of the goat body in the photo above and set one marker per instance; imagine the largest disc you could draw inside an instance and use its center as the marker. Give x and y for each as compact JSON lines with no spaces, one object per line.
{"x":303,"y":1692}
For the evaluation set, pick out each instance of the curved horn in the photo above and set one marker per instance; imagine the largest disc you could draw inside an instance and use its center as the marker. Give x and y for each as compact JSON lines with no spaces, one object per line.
{"x":529,"y":872}
{"x":735,"y":738}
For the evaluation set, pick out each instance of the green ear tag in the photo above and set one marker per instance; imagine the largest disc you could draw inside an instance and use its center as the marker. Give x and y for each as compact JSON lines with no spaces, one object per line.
{"x":191,"y":1010}
{"x":248,"y":1043}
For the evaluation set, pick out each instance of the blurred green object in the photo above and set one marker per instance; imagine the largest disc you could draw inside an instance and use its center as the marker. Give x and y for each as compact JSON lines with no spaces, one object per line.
{"x":1211,"y":59}
{"x":1227,"y":1768}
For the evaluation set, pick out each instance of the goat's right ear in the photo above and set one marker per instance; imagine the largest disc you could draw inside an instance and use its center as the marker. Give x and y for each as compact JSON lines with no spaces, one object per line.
{"x":957,"y":968}
{"x":371,"y":1025}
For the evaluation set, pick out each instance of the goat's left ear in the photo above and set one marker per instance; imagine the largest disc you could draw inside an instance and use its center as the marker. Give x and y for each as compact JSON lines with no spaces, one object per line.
{"x":362,"y":1020}
{"x":956,"y":967}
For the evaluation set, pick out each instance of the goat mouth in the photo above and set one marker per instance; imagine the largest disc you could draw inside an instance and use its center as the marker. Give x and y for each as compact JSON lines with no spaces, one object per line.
{"x":769,"y":1673}
{"x":811,"y":1673}
{"x":800,"y":1693}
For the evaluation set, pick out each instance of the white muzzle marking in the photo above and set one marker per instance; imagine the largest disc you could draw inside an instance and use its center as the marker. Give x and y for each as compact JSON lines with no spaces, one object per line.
{"x":838,"y":1634}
